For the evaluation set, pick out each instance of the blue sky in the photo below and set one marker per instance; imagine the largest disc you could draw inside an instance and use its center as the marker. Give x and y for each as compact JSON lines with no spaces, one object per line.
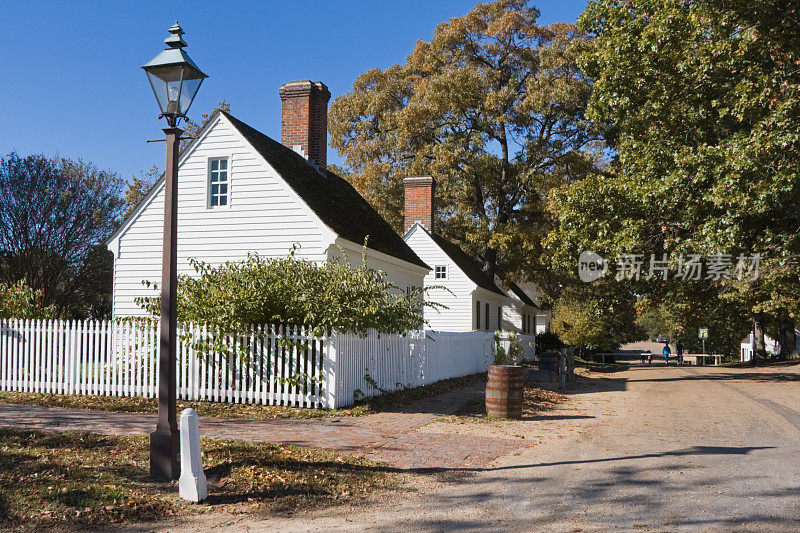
{"x":72,"y":84}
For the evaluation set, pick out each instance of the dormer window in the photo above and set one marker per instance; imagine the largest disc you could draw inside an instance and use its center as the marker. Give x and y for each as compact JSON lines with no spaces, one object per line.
{"x":440,"y":272}
{"x":218,"y":183}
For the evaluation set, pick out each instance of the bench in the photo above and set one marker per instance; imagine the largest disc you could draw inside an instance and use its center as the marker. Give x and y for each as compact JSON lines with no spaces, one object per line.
{"x":700,"y":359}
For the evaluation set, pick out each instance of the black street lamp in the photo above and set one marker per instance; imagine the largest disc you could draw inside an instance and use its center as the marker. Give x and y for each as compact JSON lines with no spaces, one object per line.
{"x":175,"y":80}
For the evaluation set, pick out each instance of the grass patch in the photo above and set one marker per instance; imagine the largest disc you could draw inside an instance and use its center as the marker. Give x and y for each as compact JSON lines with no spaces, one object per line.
{"x":386,"y":402}
{"x":81,"y":480}
{"x":535,"y":401}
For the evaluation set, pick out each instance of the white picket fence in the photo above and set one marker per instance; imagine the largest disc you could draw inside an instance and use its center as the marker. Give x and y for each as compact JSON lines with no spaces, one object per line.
{"x":266,"y":365}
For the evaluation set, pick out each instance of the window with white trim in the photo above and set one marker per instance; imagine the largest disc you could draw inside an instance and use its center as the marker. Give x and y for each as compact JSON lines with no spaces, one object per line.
{"x":440,"y":272}
{"x":218,"y":182}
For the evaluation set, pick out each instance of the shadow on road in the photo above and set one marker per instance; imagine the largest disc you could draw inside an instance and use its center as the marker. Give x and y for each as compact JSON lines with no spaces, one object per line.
{"x":724,"y":376}
{"x":624,"y":495}
{"x":692,"y":451}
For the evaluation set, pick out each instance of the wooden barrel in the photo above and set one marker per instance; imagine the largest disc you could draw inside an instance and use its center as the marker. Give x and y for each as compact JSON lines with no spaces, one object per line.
{"x":548,"y":361}
{"x":504,"y":391}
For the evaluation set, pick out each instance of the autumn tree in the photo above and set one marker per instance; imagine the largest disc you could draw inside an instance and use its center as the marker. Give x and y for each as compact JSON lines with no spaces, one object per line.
{"x":138,"y":188}
{"x":492,"y":107}
{"x":55,"y":215}
{"x":598,"y":317}
{"x":192,"y":129}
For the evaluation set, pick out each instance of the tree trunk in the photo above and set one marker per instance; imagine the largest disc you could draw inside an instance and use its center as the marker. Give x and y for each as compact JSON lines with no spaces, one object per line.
{"x":788,"y":338}
{"x":490,"y":262}
{"x":760,"y":349}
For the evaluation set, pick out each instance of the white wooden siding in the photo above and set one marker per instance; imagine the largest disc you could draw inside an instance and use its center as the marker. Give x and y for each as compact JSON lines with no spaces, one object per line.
{"x":542,"y":323}
{"x":397,"y":271}
{"x":264,"y":216}
{"x":494,"y":300}
{"x":459,"y":313}
{"x":513,"y":311}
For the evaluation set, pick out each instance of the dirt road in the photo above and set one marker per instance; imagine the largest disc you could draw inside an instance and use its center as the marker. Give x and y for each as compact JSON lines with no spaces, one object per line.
{"x":655,"y":448}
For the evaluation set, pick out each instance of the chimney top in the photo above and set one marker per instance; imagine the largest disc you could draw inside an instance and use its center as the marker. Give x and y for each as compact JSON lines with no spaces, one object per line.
{"x":304,"y":120}
{"x":419,"y":201}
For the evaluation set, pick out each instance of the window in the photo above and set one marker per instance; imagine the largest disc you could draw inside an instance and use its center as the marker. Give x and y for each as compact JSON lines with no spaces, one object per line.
{"x":524,"y":323}
{"x":499,"y":318}
{"x":486,"y":317}
{"x":218,"y":183}
{"x":440,"y":272}
{"x":478,"y":314}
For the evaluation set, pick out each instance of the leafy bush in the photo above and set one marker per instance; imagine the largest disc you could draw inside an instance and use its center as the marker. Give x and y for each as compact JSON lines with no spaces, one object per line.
{"x":20,"y":301}
{"x":512,"y":356}
{"x":331,"y":296}
{"x":548,"y":342}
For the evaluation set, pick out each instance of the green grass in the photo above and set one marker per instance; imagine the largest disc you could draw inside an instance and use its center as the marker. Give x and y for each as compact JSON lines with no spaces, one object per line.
{"x":386,"y":402}
{"x":80,"y":480}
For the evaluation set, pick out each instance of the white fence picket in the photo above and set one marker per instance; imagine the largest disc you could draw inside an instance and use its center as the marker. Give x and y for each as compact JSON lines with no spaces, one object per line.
{"x":266,"y":364}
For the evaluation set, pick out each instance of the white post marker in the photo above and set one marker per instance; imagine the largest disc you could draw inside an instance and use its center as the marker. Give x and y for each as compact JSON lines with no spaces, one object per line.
{"x":192,"y":483}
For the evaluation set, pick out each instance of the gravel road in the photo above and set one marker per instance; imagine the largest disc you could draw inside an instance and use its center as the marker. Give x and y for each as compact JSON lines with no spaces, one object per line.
{"x":653,"y":448}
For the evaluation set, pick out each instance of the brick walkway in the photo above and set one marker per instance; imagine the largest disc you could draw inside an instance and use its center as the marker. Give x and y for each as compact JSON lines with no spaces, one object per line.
{"x":393,"y":437}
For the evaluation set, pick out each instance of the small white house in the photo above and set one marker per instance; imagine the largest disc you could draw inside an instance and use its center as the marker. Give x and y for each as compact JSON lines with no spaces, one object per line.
{"x":772,"y":346}
{"x":519,"y":311}
{"x":240,"y":191}
{"x":473,"y":300}
{"x":543,"y":316}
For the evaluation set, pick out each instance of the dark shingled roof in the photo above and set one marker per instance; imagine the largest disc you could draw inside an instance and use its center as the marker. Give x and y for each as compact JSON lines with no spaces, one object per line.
{"x":465,"y":263}
{"x":513,"y":287}
{"x":332,"y":198}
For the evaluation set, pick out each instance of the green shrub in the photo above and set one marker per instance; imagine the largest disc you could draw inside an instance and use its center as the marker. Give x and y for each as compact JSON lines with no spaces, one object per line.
{"x":323,"y":297}
{"x":20,"y":301}
{"x":548,"y":342}
{"x":512,"y":356}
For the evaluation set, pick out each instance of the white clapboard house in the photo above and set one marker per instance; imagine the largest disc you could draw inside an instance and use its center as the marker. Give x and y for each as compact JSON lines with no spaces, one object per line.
{"x":519,"y":311}
{"x":473,"y":299}
{"x":239,"y":191}
{"x":543,"y":315}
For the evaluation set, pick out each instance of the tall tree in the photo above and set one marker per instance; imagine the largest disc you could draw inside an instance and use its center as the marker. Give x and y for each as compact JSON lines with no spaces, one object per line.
{"x":700,"y":99}
{"x":53,"y":215}
{"x":492,"y":107}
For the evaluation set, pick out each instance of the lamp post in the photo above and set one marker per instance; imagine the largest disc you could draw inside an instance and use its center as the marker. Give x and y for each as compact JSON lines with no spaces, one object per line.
{"x":175,"y":80}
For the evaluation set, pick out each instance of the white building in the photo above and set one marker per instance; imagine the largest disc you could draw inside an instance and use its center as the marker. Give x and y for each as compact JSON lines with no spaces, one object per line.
{"x":473,"y":300}
{"x":240,"y":191}
{"x":772,"y":346}
{"x":519,"y":311}
{"x":543,"y":315}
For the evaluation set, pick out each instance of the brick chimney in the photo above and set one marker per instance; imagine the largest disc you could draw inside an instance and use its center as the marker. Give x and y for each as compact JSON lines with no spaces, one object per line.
{"x":419,"y":201}
{"x":304,"y":120}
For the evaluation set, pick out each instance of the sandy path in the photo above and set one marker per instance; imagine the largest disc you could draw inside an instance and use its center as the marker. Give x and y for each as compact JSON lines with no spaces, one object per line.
{"x":659,"y":449}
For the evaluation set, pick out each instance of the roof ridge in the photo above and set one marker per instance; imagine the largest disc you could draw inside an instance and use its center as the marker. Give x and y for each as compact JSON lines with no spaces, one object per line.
{"x":336,"y":202}
{"x":466,"y":263}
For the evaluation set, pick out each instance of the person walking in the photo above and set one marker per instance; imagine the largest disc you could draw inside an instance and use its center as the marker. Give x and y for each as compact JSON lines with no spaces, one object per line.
{"x":666,"y":351}
{"x":679,"y":352}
